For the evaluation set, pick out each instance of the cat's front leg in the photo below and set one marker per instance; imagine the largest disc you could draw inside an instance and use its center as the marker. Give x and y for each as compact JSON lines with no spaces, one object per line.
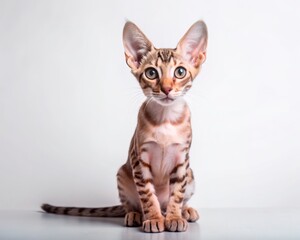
{"x":153,"y":219}
{"x":174,"y":221}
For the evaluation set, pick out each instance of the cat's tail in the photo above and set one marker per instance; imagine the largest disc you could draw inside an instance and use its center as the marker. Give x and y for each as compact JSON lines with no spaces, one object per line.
{"x":114,"y":211}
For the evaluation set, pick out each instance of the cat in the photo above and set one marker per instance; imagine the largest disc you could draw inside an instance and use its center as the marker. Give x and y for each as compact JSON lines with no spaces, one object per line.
{"x":156,"y":181}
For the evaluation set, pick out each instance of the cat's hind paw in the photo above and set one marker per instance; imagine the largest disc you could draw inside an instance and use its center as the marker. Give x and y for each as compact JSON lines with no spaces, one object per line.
{"x":190,"y":214}
{"x":133,"y":219}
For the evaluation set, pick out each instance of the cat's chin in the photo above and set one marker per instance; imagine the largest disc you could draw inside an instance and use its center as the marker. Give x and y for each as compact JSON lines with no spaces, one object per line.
{"x":166,"y":101}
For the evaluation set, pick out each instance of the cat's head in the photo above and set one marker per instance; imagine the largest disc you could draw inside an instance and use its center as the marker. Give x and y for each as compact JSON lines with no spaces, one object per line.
{"x":165,"y":74}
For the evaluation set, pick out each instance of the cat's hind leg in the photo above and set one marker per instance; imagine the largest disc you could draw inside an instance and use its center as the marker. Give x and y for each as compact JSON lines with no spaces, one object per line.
{"x":188,"y":213}
{"x":129,"y":197}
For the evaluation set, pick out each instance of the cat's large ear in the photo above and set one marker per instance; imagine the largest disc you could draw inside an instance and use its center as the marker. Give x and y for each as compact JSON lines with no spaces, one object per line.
{"x":192,"y":45}
{"x":136,"y":45}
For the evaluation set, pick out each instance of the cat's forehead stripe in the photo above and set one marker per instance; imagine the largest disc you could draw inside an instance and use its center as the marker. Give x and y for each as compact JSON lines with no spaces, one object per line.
{"x":165,"y":55}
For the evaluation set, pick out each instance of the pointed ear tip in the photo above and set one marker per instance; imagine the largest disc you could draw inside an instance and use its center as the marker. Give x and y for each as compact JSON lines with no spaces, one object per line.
{"x":128,"y":27}
{"x":129,"y":24}
{"x":201,"y":23}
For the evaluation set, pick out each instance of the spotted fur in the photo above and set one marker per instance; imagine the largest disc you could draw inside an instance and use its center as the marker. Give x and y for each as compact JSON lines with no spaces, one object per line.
{"x":156,"y":181}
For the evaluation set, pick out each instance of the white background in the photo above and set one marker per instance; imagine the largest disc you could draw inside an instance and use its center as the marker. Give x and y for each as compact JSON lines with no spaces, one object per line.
{"x":68,"y":102}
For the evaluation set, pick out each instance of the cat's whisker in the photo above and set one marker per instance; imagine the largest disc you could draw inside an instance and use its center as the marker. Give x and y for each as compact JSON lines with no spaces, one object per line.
{"x":136,"y":96}
{"x":149,"y":100}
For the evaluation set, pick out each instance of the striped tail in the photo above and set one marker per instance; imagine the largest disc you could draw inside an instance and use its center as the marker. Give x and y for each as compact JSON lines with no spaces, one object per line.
{"x":114,"y":211}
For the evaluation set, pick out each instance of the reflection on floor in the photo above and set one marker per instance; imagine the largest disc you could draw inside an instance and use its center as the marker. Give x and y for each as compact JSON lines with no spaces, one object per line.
{"x":213,"y":224}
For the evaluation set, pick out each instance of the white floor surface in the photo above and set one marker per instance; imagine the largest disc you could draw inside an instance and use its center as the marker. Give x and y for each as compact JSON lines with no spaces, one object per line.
{"x":213,"y":224}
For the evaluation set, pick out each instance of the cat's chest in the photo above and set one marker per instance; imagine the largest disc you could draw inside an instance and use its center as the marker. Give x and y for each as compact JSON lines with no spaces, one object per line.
{"x":167,"y":134}
{"x":163,"y":149}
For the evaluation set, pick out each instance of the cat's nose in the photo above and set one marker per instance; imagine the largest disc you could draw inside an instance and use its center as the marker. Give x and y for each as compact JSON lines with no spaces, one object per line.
{"x":166,"y":90}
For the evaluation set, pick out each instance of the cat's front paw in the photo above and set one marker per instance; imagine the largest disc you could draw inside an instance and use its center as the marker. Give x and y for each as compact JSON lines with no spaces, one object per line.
{"x":176,"y":224}
{"x":154,"y":225}
{"x":190,"y":214}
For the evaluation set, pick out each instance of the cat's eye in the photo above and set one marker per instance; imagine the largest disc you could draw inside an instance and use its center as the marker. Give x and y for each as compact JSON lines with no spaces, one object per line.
{"x":151,"y":73}
{"x":180,"y":72}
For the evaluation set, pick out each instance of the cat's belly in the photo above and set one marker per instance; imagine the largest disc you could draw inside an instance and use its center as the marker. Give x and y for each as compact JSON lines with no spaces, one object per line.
{"x":162,"y":160}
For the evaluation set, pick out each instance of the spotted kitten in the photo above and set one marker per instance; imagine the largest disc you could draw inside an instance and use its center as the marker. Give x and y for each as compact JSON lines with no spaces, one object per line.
{"x":156,"y":181}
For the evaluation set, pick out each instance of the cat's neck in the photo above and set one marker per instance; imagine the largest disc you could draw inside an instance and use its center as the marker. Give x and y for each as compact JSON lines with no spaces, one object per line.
{"x":158,"y":113}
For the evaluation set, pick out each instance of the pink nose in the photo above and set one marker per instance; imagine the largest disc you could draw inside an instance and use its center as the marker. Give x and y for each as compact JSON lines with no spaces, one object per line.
{"x":166,"y":90}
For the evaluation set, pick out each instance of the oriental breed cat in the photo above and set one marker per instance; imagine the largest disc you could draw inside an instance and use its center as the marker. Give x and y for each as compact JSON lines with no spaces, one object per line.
{"x":156,"y":182}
